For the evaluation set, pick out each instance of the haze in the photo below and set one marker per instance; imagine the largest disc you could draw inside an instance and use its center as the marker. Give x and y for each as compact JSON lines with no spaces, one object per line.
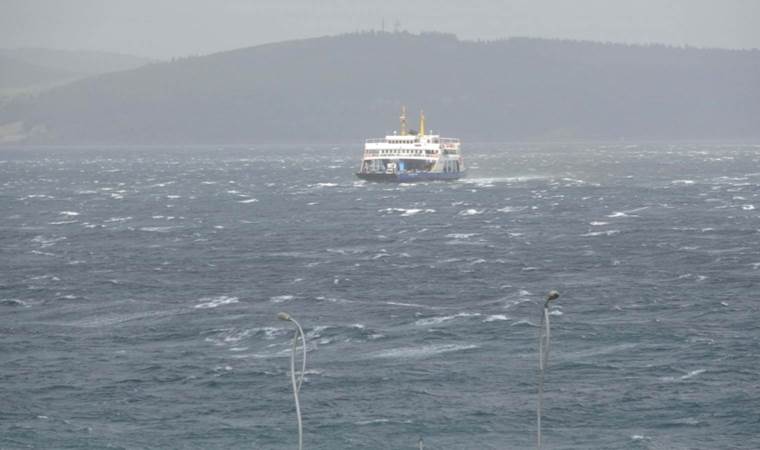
{"x":185,"y":27}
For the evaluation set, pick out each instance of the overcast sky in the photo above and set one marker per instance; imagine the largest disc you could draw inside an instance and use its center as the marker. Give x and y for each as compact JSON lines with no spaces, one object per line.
{"x":166,"y":28}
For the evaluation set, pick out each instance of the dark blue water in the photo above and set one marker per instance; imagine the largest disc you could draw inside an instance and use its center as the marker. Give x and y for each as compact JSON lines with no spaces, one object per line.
{"x":139,"y":291}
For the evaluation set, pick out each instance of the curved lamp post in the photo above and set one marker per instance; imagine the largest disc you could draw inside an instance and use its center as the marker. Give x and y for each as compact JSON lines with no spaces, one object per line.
{"x":296,"y":384}
{"x":544,"y":333}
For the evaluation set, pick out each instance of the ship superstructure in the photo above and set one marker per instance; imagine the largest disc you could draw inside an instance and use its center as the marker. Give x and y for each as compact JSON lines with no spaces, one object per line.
{"x":411,"y":156}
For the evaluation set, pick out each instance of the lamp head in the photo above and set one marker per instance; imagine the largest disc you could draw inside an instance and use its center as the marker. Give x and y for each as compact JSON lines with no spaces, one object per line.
{"x":283,"y":316}
{"x":553,"y":295}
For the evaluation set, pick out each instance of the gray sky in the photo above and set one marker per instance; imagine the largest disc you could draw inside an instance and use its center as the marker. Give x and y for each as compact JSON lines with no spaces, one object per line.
{"x":166,"y":28}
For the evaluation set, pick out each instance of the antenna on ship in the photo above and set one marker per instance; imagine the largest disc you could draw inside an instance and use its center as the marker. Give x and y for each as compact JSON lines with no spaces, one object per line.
{"x":403,"y":121}
{"x":422,"y":123}
{"x":543,"y":360}
{"x":296,"y":385}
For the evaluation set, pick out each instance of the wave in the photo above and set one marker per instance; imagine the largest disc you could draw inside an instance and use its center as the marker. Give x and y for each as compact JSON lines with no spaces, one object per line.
{"x":411,"y":305}
{"x":422,"y":351}
{"x":601,"y":233}
{"x":687,"y":376}
{"x":495,"y":318}
{"x":461,"y":235}
{"x":509,"y":209}
{"x":213,"y":302}
{"x":117,"y":219}
{"x":406,"y":212}
{"x":13,"y":302}
{"x":157,"y":229}
{"x":440,"y":319}
{"x":281,"y":298}
{"x":486,"y":181}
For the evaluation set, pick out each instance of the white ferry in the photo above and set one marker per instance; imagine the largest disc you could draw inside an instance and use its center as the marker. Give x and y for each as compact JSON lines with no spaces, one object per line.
{"x":411,"y":156}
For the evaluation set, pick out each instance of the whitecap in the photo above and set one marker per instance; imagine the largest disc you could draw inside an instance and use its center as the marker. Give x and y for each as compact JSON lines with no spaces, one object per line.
{"x":422,"y":351}
{"x":248,"y":200}
{"x":682,"y":182}
{"x":281,"y":298}
{"x":692,"y":374}
{"x":46,"y":277}
{"x":156,"y":229}
{"x":39,"y":196}
{"x":370,"y":422}
{"x":495,"y":317}
{"x":461,"y":235}
{"x":213,"y":302}
{"x":488,"y":181}
{"x":412,"y":305}
{"x":68,"y":213}
{"x":471,"y":212}
{"x":407,"y":212}
{"x":118,"y":219}
{"x":598,"y":223}
{"x":13,"y":302}
{"x":440,"y":319}
{"x":687,"y":376}
{"x":601,"y":233}
{"x":271,"y":332}
{"x":509,"y":209}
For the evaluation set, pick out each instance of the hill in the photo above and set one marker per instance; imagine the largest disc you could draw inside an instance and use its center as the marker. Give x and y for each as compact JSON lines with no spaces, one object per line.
{"x":351,"y":86}
{"x":27,"y":70}
{"x":19,"y":74}
{"x":82,"y":62}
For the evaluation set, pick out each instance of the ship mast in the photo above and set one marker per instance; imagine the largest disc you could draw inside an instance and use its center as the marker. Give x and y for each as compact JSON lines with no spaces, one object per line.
{"x":422,"y":123}
{"x":403,"y":121}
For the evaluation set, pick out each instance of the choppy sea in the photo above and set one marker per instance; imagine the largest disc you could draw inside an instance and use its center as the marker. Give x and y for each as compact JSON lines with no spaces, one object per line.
{"x":139,"y":289}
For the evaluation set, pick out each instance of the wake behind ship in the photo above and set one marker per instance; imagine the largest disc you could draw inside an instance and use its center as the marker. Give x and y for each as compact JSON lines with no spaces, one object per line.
{"x":411,"y":156}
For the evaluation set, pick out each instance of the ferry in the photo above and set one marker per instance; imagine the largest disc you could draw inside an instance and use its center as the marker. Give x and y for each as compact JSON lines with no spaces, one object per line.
{"x":411,"y":156}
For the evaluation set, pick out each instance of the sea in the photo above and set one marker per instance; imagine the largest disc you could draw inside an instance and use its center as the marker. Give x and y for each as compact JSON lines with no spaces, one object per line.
{"x":140,"y":287}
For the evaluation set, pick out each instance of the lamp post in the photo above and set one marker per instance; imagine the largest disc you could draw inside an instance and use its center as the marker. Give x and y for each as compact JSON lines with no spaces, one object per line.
{"x":296,"y":385}
{"x":544,"y":333}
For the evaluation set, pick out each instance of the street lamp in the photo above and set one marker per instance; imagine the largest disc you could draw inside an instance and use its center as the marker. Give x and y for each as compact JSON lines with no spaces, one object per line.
{"x":544,"y":333}
{"x":296,"y":385}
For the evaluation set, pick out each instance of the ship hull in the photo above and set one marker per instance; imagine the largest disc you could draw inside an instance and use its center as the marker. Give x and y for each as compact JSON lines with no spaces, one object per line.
{"x":410,"y":177}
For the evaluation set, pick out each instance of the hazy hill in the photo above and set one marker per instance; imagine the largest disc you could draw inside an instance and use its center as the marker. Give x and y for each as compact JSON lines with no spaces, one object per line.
{"x":18,"y":74}
{"x":83,"y":62}
{"x":352,"y":86}
{"x":33,"y":69}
